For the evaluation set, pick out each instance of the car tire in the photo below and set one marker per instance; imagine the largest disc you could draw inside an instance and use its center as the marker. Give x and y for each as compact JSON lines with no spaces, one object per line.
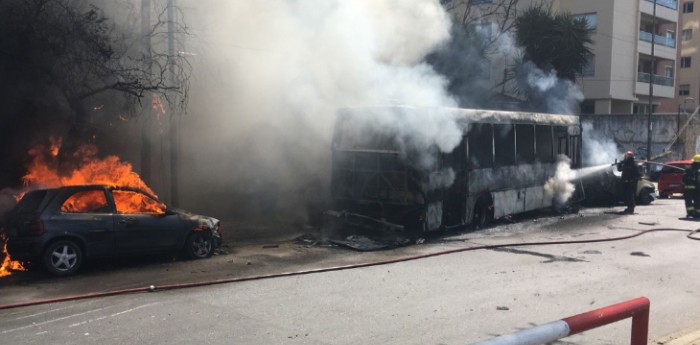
{"x":645,"y":197}
{"x":62,"y":258}
{"x":199,"y":245}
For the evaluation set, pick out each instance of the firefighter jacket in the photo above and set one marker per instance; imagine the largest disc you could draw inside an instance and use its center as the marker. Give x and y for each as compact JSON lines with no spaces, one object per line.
{"x":629,"y":170}
{"x":690,"y":176}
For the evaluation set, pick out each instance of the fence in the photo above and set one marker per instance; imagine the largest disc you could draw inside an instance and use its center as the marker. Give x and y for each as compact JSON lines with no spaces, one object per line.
{"x":637,"y":309}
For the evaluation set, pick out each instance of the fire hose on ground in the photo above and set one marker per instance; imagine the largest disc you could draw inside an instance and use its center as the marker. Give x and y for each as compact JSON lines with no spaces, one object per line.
{"x":692,"y":234}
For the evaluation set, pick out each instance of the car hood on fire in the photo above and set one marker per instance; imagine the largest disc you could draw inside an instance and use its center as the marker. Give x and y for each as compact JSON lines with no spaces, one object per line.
{"x":198,"y":218}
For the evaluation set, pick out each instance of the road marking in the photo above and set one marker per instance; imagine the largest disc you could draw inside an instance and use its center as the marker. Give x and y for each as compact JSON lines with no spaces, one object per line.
{"x":113,"y":315}
{"x":54,"y":320}
{"x":49,"y":311}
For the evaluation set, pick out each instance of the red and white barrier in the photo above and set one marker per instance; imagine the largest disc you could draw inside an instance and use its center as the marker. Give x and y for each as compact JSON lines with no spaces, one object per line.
{"x":637,"y":309}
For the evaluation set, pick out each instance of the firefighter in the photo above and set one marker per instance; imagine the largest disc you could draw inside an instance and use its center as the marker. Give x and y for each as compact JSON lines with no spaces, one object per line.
{"x":691,"y":189}
{"x":630,"y":177}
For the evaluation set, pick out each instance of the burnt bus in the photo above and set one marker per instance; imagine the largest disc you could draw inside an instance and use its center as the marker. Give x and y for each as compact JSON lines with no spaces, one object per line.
{"x":496,"y":163}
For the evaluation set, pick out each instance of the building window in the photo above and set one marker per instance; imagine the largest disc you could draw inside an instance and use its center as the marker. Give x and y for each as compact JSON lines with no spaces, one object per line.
{"x":588,"y":107}
{"x":688,"y":7}
{"x":668,"y":72}
{"x":685,"y":62}
{"x":684,"y":90}
{"x":591,"y":19}
{"x":687,"y":34}
{"x":589,"y":69}
{"x":643,"y":108}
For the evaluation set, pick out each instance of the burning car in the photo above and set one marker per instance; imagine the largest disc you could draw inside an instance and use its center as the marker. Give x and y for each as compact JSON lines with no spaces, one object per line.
{"x":61,"y":227}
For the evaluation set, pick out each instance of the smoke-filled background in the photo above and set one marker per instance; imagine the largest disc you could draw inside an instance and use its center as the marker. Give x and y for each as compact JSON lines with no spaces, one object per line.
{"x":269,"y":78}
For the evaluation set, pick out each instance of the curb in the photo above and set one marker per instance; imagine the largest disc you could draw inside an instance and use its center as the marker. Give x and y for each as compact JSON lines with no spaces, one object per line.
{"x":688,"y":339}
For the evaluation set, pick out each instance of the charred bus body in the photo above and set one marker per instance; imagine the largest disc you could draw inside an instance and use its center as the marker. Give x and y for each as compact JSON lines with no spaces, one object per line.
{"x":425,"y":169}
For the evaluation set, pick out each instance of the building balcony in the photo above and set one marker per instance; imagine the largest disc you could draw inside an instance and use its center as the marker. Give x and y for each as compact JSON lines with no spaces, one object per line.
{"x":658,"y":80}
{"x":660,"y":40}
{"x":663,"y":86}
{"x":666,"y":10}
{"x":672,"y":4}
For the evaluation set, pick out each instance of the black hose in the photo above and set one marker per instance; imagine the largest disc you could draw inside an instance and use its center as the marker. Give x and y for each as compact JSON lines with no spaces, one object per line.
{"x":154,"y":288}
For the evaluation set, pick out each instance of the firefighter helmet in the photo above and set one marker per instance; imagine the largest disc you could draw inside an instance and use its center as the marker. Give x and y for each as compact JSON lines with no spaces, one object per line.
{"x":629,"y":154}
{"x":696,"y":158}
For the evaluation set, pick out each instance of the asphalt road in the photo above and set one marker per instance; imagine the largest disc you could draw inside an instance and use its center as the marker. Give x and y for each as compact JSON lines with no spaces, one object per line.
{"x":456,"y":298}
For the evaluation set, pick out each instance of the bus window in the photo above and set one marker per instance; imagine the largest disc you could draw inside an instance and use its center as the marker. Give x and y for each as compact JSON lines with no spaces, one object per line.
{"x":561,"y":134}
{"x":504,"y":140}
{"x":525,"y":143}
{"x":543,"y":144}
{"x":575,"y":148}
{"x":454,"y":159}
{"x":480,"y":146}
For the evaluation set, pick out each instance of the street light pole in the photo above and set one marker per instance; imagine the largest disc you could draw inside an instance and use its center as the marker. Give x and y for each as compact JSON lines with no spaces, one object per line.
{"x":651,"y":84}
{"x":174,"y":142}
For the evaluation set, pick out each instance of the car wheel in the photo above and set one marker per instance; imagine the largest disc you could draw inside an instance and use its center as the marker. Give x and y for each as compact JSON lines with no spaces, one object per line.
{"x":199,"y":245}
{"x":62,"y":258}
{"x":645,"y":197}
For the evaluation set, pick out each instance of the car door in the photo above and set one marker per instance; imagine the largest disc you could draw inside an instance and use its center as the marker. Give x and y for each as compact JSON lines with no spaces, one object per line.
{"x":142,"y":224}
{"x":88,"y":215}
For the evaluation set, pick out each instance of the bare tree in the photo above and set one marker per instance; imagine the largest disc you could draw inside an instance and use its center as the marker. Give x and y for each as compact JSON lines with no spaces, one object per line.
{"x":59,"y":56}
{"x":481,"y":38}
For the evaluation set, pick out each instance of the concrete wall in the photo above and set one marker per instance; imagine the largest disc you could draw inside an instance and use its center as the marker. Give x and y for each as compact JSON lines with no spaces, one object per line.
{"x":629,"y":132}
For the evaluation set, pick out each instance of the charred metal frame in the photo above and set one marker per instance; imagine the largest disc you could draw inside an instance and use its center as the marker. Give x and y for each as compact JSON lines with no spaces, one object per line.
{"x":514,"y":186}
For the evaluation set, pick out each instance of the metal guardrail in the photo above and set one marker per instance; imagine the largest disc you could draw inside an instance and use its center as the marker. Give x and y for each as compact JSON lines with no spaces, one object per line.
{"x":637,"y":309}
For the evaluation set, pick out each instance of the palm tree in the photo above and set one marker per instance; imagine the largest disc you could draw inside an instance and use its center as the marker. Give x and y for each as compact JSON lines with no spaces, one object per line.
{"x":554,"y":41}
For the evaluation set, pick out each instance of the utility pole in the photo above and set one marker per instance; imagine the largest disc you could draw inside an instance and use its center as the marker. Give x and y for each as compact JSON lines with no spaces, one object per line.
{"x":147,"y":111}
{"x":651,"y":84}
{"x":174,"y":142}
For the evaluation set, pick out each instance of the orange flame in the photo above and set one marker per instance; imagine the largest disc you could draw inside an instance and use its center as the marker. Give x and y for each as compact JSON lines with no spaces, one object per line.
{"x":55,"y":145}
{"x":8,"y":265}
{"x":43,"y":172}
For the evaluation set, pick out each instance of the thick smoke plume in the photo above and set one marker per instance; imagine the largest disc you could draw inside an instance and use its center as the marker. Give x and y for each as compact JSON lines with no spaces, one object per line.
{"x":547,"y":92}
{"x":269,"y":78}
{"x":559,"y":186}
{"x":597,"y":147}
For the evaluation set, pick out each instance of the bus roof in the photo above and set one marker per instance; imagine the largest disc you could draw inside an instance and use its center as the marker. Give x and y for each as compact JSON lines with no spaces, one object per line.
{"x":464,"y":115}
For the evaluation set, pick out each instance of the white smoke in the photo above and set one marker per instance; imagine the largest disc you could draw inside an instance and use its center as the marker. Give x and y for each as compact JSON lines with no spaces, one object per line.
{"x":550,"y":93}
{"x":269,"y":75}
{"x":8,"y":199}
{"x":441,"y":179}
{"x":559,"y":186}
{"x":597,"y":147}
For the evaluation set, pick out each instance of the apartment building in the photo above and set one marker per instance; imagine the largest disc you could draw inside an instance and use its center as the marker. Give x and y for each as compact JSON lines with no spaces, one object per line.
{"x":688,"y":75}
{"x":628,"y":36}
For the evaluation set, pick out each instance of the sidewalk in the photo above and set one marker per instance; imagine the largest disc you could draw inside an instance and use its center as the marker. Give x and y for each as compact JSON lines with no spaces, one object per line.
{"x":688,"y":339}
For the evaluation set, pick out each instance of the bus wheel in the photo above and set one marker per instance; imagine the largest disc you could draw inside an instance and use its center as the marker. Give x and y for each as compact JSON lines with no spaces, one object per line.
{"x":482,"y":214}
